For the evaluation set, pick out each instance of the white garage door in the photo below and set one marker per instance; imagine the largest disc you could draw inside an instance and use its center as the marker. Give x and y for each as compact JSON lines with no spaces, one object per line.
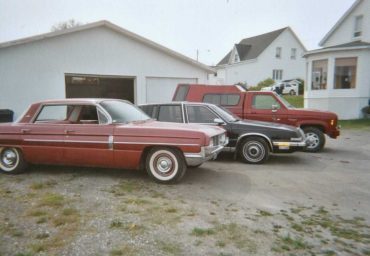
{"x":161,"y":89}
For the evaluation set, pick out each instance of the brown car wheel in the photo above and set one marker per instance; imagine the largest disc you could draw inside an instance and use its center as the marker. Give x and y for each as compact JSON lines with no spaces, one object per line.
{"x":11,"y":161}
{"x":165,"y":165}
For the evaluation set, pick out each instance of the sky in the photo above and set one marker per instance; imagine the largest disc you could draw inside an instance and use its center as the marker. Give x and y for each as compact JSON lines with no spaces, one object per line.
{"x":210,"y":27}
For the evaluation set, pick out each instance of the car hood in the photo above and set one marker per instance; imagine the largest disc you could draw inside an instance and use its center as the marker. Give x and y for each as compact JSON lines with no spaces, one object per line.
{"x":169,"y":129}
{"x":261,"y":124}
{"x":274,"y":131}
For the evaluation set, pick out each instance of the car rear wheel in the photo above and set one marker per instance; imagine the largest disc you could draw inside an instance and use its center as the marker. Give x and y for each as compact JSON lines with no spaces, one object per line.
{"x":254,"y":150}
{"x":11,"y":161}
{"x":165,"y":165}
{"x":315,"y":139}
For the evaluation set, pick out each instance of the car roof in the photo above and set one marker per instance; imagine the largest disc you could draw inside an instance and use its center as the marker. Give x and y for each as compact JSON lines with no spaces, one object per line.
{"x":77,"y":101}
{"x":179,"y":102}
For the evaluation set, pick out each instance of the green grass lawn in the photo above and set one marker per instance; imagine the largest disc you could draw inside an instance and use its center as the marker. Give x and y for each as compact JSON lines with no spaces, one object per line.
{"x":296,"y":101}
{"x":355,"y":124}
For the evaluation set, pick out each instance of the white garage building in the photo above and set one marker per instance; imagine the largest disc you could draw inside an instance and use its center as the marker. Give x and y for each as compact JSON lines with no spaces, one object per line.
{"x":95,"y":60}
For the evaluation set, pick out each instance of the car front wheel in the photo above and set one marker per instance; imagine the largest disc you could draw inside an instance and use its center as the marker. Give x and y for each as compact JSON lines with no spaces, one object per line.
{"x":165,"y":165}
{"x":254,"y":150}
{"x":11,"y":161}
{"x":315,"y":139}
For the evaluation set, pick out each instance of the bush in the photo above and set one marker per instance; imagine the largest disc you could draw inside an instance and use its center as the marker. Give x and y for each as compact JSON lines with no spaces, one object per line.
{"x":300,"y":86}
{"x":265,"y":83}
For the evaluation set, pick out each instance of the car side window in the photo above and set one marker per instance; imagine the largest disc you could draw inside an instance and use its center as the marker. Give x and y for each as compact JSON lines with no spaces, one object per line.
{"x":53,"y":113}
{"x":200,"y":114}
{"x":264,"y":102}
{"x":170,"y":113}
{"x":88,"y":115}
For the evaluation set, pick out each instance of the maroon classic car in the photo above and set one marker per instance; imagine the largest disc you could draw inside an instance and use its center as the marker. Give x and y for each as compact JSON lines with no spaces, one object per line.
{"x":105,"y":133}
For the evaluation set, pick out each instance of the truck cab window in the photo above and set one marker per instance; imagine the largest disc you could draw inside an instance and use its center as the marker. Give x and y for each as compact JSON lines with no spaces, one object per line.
{"x":264,"y":102}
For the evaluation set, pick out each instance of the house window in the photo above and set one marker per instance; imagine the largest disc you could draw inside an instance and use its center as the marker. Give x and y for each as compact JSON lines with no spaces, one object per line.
{"x":277,"y":74}
{"x":358,"y":26}
{"x":319,"y":74}
{"x":293,"y":53}
{"x":345,"y":73}
{"x":278,"y":52}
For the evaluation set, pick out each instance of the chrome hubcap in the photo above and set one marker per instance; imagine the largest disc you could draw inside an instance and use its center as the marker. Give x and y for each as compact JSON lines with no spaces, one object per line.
{"x":164,"y":164}
{"x":9,"y":158}
{"x":313,"y":140}
{"x":253,"y":152}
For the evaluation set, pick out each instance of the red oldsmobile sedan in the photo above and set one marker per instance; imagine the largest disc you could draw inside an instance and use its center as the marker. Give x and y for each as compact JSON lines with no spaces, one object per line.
{"x":105,"y":133}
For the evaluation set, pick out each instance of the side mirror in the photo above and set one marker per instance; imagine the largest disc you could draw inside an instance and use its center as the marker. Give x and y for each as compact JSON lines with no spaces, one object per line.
{"x":218,"y":121}
{"x":274,"y":108}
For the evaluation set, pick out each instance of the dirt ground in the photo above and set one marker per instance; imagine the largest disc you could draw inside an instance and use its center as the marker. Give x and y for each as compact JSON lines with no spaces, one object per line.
{"x":296,"y":204}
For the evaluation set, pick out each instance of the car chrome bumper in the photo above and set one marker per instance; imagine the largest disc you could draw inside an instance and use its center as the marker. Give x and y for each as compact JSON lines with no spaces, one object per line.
{"x":205,"y":154}
{"x":285,"y":145}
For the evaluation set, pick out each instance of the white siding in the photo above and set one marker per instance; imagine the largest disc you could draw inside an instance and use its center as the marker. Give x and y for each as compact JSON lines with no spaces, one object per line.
{"x":344,"y":33}
{"x":162,"y":89}
{"x":254,"y":71}
{"x":347,"y":103}
{"x":35,"y":71}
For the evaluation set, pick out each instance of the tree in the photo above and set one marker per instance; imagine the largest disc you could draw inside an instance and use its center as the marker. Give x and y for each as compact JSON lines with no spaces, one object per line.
{"x":66,"y":25}
{"x":265,"y":83}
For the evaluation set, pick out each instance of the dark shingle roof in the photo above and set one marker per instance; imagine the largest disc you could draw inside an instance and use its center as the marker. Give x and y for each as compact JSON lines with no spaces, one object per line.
{"x":252,"y":47}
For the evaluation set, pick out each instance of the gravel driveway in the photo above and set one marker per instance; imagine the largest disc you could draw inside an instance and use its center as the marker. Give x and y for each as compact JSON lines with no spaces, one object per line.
{"x":296,"y":204}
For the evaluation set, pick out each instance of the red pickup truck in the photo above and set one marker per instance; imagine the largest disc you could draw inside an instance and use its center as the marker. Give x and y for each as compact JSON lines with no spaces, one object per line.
{"x":264,"y":106}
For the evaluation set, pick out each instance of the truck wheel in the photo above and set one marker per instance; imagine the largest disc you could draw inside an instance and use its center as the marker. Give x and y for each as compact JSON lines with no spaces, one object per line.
{"x":165,"y":165}
{"x":315,"y":139}
{"x":254,"y":150}
{"x":292,"y":92}
{"x":12,"y":161}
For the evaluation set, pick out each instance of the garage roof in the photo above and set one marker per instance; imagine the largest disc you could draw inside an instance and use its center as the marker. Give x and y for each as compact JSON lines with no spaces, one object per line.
{"x":104,"y":23}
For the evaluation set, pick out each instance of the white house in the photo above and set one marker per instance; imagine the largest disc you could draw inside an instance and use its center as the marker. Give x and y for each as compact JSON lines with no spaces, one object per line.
{"x":277,"y":55}
{"x":95,"y":60}
{"x":338,"y":75}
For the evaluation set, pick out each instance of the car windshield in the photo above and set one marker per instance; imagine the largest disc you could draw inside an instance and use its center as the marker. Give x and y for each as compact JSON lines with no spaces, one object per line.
{"x":284,"y":101}
{"x":123,"y":112}
{"x":225,"y":114}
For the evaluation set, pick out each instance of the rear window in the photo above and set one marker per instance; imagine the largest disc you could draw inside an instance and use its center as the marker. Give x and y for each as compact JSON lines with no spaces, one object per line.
{"x":181,"y":92}
{"x":222,"y":99}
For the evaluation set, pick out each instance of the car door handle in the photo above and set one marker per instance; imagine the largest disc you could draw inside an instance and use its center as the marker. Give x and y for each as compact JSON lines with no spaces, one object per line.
{"x":69,"y":131}
{"x":25,"y":130}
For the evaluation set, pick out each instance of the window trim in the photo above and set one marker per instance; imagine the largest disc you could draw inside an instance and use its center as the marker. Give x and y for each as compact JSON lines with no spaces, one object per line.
{"x":327,"y":72}
{"x":278,"y":52}
{"x":356,"y":76}
{"x":360,"y":29}
{"x":293,"y":56}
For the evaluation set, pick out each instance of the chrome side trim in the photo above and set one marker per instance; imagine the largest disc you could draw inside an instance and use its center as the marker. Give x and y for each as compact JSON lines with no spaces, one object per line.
{"x":35,"y":140}
{"x":255,"y":134}
{"x":290,"y":143}
{"x":110,"y":142}
{"x":143,"y":143}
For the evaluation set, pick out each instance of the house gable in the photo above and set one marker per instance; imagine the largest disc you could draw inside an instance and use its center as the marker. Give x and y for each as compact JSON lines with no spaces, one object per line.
{"x":344,"y":30}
